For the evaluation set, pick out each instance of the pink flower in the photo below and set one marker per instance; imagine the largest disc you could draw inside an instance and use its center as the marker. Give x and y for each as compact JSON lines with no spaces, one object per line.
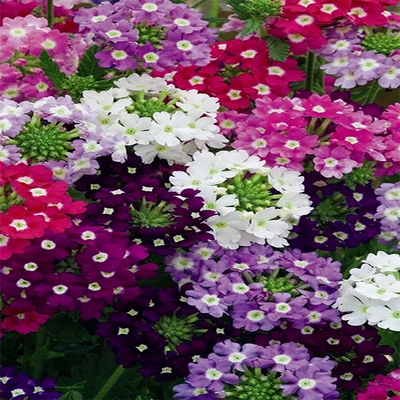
{"x":333,"y":161}
{"x":322,"y":106}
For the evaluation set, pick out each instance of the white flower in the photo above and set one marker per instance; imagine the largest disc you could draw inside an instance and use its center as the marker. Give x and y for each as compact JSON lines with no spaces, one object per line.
{"x":382,"y":287}
{"x":295,"y":205}
{"x":227,"y":229}
{"x":357,"y":309}
{"x":104,"y":103}
{"x":168,"y":129}
{"x":193,"y":100}
{"x":284,"y":180}
{"x":224,"y":205}
{"x":264,"y":226}
{"x":142,"y":83}
{"x":198,"y":179}
{"x":387,"y":317}
{"x":201,"y":128}
{"x":218,"y":141}
{"x":133,"y":127}
{"x":363,"y":274}
{"x":148,"y":152}
{"x":240,"y":161}
{"x":383,"y":261}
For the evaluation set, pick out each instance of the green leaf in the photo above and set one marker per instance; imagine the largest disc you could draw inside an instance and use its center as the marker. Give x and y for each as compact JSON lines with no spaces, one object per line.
{"x":62,"y":327}
{"x":252,"y":26}
{"x":240,"y":9}
{"x":51,"y":69}
{"x":72,"y":395}
{"x":278,"y":48}
{"x":89,"y":64}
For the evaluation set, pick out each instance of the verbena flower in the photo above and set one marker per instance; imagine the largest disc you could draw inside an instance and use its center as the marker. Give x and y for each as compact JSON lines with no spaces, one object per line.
{"x":381,"y":387}
{"x":155,"y":119}
{"x":251,"y":374}
{"x":134,"y":198}
{"x":257,"y":287}
{"x":146,"y":34}
{"x":372,"y":293}
{"x":254,"y":204}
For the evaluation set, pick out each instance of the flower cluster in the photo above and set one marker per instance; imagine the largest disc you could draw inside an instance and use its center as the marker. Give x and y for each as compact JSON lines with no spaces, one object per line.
{"x":52,"y":131}
{"x":356,"y":59}
{"x":252,"y":372}
{"x":161,"y":332}
{"x":134,"y":197}
{"x":155,"y":119}
{"x":239,"y":72}
{"x":389,"y":212}
{"x":23,"y":39}
{"x":257,"y":287}
{"x":382,"y":387}
{"x":339,"y":137}
{"x":83,"y":269}
{"x":356,"y":350}
{"x":22,"y":386}
{"x":254,"y":204}
{"x":341,"y":217}
{"x":372,"y":292}
{"x":146,"y":34}
{"x":30,"y":203}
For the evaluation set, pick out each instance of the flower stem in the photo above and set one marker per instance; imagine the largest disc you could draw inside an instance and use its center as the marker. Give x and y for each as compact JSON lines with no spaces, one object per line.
{"x":214,"y":10}
{"x":109,"y":383}
{"x":50,"y":13}
{"x":372,"y":93}
{"x":42,"y":341}
{"x":310,"y":71}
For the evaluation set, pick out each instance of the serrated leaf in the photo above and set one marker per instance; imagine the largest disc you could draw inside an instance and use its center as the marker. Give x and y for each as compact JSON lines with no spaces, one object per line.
{"x":89,"y":64}
{"x":51,"y":69}
{"x":252,"y":26}
{"x":278,"y":48}
{"x":240,"y":9}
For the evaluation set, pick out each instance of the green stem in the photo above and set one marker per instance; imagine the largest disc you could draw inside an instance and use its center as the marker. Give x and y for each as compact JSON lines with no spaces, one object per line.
{"x":109,"y":383}
{"x":42,"y":342}
{"x":214,"y":10}
{"x":372,"y":93}
{"x":199,"y":3}
{"x":310,"y":71}
{"x":50,"y":13}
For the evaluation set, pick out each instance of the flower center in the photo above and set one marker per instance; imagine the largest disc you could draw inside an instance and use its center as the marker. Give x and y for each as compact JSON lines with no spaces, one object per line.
{"x":39,"y":142}
{"x":152,"y":215}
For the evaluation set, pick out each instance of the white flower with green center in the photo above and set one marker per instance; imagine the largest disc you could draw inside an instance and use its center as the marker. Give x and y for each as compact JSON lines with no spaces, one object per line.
{"x":384,"y":262}
{"x":386,"y":316}
{"x":382,"y":287}
{"x":134,"y":128}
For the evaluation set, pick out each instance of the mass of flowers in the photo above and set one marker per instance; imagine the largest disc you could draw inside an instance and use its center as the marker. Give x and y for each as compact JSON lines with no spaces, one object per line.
{"x":200,"y":200}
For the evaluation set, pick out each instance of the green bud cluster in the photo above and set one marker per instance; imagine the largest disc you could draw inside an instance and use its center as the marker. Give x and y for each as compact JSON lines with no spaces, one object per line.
{"x":8,"y":198}
{"x":256,"y":386}
{"x":253,"y":193}
{"x":264,"y":8}
{"x":332,"y":209}
{"x":147,"y":107}
{"x":273,"y":284}
{"x":150,"y":34}
{"x":39,"y":142}
{"x":151,"y":215}
{"x":382,"y":43}
{"x":177,"y":330}
{"x":360,"y":176}
{"x":76,"y":84}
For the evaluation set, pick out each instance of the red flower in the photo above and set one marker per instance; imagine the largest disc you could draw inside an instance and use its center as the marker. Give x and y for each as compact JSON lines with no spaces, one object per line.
{"x":9,"y":246}
{"x":22,"y":319}
{"x":18,"y":222}
{"x":46,"y":193}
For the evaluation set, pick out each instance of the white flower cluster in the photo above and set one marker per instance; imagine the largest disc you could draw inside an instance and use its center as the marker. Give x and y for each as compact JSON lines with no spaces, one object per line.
{"x":372,"y":293}
{"x":253,"y":204}
{"x":156,"y":118}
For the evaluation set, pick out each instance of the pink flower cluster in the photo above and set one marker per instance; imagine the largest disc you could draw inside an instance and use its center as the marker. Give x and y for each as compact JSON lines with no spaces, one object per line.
{"x":336,"y":136}
{"x":22,"y":39}
{"x":382,"y":387}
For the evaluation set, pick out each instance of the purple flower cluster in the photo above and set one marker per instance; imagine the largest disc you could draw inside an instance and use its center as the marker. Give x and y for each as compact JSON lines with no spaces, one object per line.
{"x":358,"y":59}
{"x":83,"y":269}
{"x":389,"y":212}
{"x":342,"y":217}
{"x":54,"y":132}
{"x":134,"y":197}
{"x":14,"y":386}
{"x":356,"y":350}
{"x":150,"y":34}
{"x":161,"y":333}
{"x":256,"y":372}
{"x":257,"y":287}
